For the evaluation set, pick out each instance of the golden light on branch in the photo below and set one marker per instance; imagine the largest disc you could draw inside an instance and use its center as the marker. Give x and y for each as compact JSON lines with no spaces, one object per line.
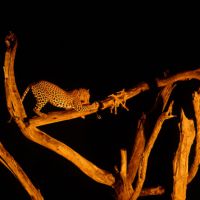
{"x":137,"y":151}
{"x":180,"y":162}
{"x":18,"y":172}
{"x":195,"y":165}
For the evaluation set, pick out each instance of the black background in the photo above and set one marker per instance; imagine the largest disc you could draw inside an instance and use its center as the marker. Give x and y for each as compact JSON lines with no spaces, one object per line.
{"x":105,"y":49}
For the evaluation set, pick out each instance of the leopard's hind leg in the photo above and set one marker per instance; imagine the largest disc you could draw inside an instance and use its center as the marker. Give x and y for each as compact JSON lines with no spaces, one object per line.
{"x":39,"y":105}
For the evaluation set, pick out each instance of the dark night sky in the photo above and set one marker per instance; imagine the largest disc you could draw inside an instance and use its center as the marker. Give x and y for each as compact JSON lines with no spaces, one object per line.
{"x":106,"y":52}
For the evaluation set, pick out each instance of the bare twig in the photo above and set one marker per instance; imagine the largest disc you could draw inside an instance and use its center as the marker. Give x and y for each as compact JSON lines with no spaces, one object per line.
{"x":152,"y":191}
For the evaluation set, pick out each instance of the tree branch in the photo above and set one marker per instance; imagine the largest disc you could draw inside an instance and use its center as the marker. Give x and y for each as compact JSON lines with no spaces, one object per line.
{"x":142,"y":87}
{"x":14,"y":167}
{"x":152,"y":191}
{"x":123,"y":171}
{"x":58,"y":116}
{"x":195,"y":165}
{"x":138,"y":149}
{"x":180,"y":162}
{"x":91,"y":170}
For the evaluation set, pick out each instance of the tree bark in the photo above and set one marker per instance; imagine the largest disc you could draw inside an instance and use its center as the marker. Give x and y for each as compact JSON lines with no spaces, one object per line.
{"x":13,"y":166}
{"x":180,"y":162}
{"x":195,"y":165}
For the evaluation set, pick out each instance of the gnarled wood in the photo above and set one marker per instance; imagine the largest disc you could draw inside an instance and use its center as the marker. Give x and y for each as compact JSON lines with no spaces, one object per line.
{"x":58,"y":116}
{"x":180,"y":162}
{"x":14,"y":167}
{"x":195,"y":165}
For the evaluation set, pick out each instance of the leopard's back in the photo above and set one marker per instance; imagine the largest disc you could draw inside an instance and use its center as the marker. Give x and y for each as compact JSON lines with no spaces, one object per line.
{"x":46,"y":91}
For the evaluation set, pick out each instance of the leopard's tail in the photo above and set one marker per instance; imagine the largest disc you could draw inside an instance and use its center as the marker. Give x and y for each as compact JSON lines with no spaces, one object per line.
{"x":25,"y":92}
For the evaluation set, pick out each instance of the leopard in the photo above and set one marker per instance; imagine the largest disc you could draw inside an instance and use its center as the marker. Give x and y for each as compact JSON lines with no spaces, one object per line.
{"x":47,"y":92}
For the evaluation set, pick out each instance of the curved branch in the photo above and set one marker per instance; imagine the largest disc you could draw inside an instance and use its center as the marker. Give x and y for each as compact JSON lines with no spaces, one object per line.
{"x":14,"y":167}
{"x":91,"y":170}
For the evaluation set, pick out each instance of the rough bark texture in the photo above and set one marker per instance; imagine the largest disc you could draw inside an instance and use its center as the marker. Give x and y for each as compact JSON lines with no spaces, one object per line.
{"x":138,"y":149}
{"x":195,"y":165}
{"x":18,"y":172}
{"x":180,"y":162}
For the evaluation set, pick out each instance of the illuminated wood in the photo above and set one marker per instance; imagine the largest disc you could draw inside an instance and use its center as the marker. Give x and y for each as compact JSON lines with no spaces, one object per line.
{"x":196,"y":161}
{"x":18,"y":172}
{"x":137,"y":151}
{"x":58,"y":116}
{"x":180,"y":162}
{"x":144,"y":161}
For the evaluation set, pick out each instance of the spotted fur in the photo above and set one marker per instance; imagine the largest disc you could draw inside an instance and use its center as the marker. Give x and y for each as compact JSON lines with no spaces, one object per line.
{"x":45,"y":92}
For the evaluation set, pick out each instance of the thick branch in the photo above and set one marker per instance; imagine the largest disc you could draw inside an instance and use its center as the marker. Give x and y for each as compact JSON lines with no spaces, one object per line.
{"x":13,"y":106}
{"x":183,"y":76}
{"x":180,"y":162}
{"x":142,"y":87}
{"x":195,"y":165}
{"x":138,"y":149}
{"x":14,"y":167}
{"x":58,"y":116}
{"x":123,"y":171}
{"x":91,"y":170}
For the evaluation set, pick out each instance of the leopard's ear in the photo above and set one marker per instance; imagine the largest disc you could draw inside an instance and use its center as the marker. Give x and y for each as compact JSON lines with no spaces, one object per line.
{"x":88,"y":90}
